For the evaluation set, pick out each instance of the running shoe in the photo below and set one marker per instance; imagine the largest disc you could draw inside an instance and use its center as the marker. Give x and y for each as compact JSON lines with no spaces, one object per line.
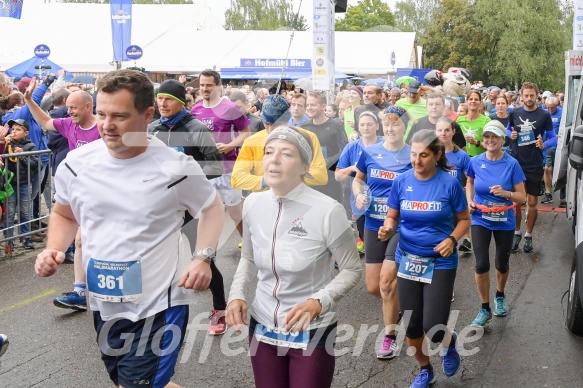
{"x":500,"y":310}
{"x":423,"y":379}
{"x":563,"y":203}
{"x":69,"y":259}
{"x":3,"y":344}
{"x":484,"y":316}
{"x":515,"y":241}
{"x":451,"y":358}
{"x":527,"y":248}
{"x":548,"y":198}
{"x":360,"y":245}
{"x":388,"y":349}
{"x":466,"y":246}
{"x":218,"y":325}
{"x":27,"y":244}
{"x":71,"y":300}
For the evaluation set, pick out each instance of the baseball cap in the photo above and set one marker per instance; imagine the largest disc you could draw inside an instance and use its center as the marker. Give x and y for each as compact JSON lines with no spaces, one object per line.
{"x":547,"y":94}
{"x":414,"y":87}
{"x":496,"y":127}
{"x":20,"y":122}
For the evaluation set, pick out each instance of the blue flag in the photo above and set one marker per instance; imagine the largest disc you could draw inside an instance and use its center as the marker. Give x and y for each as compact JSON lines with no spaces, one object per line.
{"x":11,"y":8}
{"x":121,"y":28}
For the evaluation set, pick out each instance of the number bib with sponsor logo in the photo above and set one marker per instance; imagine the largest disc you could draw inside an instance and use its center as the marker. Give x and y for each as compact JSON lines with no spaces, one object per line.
{"x":297,"y":340}
{"x":495,"y":216}
{"x":112,"y":281}
{"x":526,"y":138}
{"x":378,"y":208}
{"x":416,"y":268}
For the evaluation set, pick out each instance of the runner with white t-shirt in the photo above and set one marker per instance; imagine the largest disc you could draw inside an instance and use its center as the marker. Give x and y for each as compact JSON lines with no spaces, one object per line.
{"x":138,"y":266}
{"x":79,"y":128}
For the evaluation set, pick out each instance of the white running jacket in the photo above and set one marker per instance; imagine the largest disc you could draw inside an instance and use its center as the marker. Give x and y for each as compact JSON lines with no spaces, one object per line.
{"x":290,"y":244}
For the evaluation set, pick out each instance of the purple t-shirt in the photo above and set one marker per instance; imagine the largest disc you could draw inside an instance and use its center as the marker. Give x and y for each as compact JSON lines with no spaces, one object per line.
{"x":225,"y":121}
{"x":76,"y":135}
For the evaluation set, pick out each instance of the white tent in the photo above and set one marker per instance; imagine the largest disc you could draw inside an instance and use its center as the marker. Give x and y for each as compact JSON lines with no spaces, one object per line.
{"x":182,"y":39}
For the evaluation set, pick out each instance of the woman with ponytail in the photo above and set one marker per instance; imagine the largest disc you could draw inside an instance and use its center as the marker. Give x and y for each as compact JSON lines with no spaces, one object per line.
{"x":425,"y":203}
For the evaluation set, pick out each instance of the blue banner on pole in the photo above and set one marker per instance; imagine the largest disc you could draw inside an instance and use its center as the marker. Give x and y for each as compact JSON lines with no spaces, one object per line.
{"x":11,"y":8}
{"x":121,"y":28}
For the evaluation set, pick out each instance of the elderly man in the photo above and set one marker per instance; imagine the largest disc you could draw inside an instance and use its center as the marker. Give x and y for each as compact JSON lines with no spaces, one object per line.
{"x":556,"y":112}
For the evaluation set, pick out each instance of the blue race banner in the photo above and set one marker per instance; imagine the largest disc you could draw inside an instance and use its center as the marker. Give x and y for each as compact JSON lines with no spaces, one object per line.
{"x":11,"y":8}
{"x":121,"y":28}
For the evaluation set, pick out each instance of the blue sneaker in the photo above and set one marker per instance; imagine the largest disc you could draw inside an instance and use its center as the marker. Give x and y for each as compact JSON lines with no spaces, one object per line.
{"x":423,"y":379}
{"x":3,"y":344}
{"x":451,"y":358}
{"x":71,"y":300}
{"x":500,"y":310}
{"x":484,"y":316}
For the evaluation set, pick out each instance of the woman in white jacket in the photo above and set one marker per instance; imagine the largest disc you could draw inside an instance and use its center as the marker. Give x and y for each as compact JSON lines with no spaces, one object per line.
{"x":291,"y":236}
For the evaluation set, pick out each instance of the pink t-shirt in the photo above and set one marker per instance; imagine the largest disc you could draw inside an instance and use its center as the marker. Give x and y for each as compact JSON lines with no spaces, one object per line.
{"x":76,"y":135}
{"x":225,"y":121}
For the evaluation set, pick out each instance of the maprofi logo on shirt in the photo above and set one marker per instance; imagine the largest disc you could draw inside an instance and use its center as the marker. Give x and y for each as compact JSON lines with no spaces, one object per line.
{"x":297,"y":228}
{"x":422,"y":206}
{"x":382,"y":174}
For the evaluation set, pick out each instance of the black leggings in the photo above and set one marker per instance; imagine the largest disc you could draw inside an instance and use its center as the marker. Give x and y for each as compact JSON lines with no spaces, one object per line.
{"x":217,"y":286}
{"x":360,"y":227}
{"x":481,"y":238}
{"x":429,"y":304}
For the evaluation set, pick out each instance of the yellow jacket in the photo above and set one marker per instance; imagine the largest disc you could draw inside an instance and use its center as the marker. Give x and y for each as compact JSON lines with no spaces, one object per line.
{"x":248,"y":170}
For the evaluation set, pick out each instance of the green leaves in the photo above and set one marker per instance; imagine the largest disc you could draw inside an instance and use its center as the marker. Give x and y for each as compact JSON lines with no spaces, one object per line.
{"x":367,"y":15}
{"x":264,"y":15}
{"x":503,"y":43}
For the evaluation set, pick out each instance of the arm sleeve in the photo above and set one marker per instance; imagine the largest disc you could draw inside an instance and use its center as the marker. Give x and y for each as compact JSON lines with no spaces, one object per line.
{"x":193,"y":190}
{"x":242,"y":177}
{"x":470,"y":171}
{"x":342,"y":244}
{"x":246,"y":270}
{"x":317,"y":172}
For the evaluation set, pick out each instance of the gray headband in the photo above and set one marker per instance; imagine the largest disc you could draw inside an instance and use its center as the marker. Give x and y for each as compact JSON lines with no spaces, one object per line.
{"x":294,"y":137}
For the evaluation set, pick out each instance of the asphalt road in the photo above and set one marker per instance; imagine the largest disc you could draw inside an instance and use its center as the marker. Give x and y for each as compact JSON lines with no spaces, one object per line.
{"x":51,"y":347}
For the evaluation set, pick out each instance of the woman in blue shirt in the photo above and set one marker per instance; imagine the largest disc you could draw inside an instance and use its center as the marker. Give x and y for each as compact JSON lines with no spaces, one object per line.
{"x":423,"y":204}
{"x":376,"y":170}
{"x":495,"y":184}
{"x":368,"y":124}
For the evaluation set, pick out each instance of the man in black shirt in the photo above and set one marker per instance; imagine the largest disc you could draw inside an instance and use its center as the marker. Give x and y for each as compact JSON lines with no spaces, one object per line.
{"x":332,"y":139}
{"x":528,"y":125}
{"x":435,"y":108}
{"x":240,"y":99}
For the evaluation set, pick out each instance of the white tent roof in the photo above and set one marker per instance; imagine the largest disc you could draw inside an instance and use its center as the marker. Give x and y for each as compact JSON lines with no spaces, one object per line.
{"x":181,"y":39}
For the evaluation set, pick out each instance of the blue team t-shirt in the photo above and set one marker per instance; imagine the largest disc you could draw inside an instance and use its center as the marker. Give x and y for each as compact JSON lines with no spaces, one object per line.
{"x":505,"y":172}
{"x":381,"y":167}
{"x":349,"y":157}
{"x":427,"y":209}
{"x":460,"y":161}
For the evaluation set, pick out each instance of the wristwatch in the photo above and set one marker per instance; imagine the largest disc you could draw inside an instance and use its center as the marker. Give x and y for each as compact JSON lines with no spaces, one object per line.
{"x":206,"y":254}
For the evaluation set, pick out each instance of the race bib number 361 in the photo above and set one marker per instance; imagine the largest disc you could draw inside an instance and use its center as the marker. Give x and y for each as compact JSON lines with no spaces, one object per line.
{"x":111,"y":281}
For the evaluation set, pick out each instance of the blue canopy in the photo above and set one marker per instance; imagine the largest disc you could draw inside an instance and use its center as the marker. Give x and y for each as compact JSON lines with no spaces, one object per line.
{"x":270,"y":73}
{"x":26,"y":68}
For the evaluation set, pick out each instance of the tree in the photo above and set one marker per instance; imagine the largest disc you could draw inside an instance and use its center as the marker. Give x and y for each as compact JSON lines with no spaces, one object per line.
{"x":263,"y":15}
{"x":415,"y":15}
{"x":365,"y":16}
{"x":506,"y":43}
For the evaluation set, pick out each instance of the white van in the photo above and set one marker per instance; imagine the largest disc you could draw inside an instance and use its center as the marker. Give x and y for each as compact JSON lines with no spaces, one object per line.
{"x":568,"y":173}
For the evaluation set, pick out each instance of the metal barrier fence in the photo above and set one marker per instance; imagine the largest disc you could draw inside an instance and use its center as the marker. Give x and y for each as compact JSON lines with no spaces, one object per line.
{"x":21,"y":196}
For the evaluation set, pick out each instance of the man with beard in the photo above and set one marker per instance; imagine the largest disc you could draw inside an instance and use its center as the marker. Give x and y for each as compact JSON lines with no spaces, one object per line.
{"x":373,"y":102}
{"x":332,"y":139}
{"x":526,"y":128}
